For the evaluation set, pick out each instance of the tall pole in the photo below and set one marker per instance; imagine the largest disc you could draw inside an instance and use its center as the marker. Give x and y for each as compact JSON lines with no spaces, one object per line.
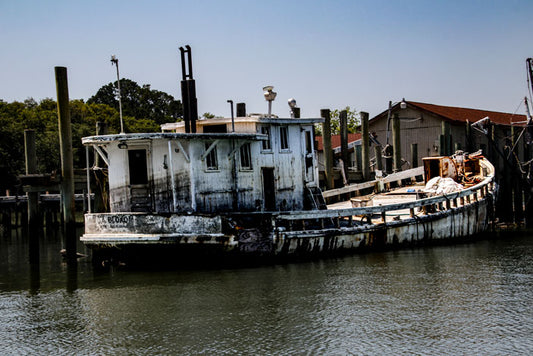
{"x":343,"y":123}
{"x":365,"y":143}
{"x":396,"y":142}
{"x":33,"y":196}
{"x":67,"y":169}
{"x":114,"y":60}
{"x":328,"y":152}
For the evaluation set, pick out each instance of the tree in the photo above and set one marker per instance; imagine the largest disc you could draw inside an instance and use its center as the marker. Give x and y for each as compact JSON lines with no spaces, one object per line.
{"x":353,"y":120}
{"x":140,"y":102}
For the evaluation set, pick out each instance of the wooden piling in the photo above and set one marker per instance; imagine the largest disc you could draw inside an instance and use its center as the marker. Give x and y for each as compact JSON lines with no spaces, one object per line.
{"x":379,"y":162}
{"x":516,"y":180}
{"x":446,"y":146}
{"x":30,"y":154}
{"x":528,"y":188}
{"x":388,"y":158}
{"x":469,"y":146}
{"x":365,"y":146}
{"x":396,"y":143}
{"x":67,"y":169}
{"x":343,"y":124}
{"x":414,"y":155}
{"x":328,"y":152}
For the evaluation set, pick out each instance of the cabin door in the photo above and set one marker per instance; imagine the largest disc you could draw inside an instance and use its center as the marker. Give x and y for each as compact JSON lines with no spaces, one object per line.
{"x":139,"y":187}
{"x":309,"y":167}
{"x":269,"y":189}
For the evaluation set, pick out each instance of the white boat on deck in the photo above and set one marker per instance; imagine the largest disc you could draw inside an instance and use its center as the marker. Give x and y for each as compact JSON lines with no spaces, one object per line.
{"x":249,"y":187}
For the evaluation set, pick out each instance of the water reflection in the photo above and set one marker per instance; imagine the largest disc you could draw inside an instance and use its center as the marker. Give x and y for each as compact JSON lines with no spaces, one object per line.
{"x":472,"y":298}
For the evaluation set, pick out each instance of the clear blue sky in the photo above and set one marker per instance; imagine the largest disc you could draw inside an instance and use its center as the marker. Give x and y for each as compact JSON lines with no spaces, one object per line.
{"x":326,"y":54}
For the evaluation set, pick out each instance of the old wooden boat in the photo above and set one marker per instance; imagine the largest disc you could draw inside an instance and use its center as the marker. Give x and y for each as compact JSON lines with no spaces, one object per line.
{"x":248,"y":187}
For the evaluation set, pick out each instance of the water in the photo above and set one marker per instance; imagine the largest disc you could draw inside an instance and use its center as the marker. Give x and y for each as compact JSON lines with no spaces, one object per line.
{"x":451,"y":300}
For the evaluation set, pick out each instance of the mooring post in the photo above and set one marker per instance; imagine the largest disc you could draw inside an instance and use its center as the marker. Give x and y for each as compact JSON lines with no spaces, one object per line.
{"x":517,"y":180}
{"x":67,"y":169}
{"x":377,"y":153}
{"x":414,"y":155}
{"x":343,"y":124}
{"x":468,"y":137}
{"x":328,"y":152}
{"x":33,"y":196}
{"x":396,"y":143}
{"x":446,"y":142}
{"x":365,"y":146}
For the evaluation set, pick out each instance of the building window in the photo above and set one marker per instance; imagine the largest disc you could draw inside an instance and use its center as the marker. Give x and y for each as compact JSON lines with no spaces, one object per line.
{"x":211,"y":160}
{"x":246,"y":156}
{"x":284,"y":138}
{"x":265,"y":130}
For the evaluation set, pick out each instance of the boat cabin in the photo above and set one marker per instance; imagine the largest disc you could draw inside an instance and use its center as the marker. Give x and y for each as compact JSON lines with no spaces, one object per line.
{"x":252,"y":163}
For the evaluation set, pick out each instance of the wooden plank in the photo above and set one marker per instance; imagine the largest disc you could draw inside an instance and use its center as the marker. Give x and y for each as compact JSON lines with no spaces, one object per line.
{"x":388,"y":179}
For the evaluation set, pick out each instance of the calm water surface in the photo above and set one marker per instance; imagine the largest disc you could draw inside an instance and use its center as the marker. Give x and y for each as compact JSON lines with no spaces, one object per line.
{"x":454,"y":300}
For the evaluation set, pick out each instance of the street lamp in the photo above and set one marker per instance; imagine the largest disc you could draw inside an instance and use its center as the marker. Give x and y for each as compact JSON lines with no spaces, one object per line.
{"x":114,"y":60}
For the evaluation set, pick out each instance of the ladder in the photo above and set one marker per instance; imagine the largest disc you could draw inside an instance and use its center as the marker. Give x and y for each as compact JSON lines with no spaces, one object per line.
{"x":314,"y":194}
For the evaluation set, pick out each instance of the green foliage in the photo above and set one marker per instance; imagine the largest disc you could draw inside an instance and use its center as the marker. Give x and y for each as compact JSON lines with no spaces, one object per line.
{"x":144,"y":110}
{"x":353,"y":118}
{"x":140,"y":102}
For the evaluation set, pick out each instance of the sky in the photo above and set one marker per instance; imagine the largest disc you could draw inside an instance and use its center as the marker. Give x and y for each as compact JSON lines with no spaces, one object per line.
{"x":326,"y":54}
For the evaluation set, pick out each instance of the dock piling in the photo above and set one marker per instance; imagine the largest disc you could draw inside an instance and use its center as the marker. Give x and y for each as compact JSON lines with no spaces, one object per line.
{"x":67,"y":169}
{"x":396,"y":143}
{"x":328,"y":152}
{"x":30,"y":154}
{"x":365,"y":146}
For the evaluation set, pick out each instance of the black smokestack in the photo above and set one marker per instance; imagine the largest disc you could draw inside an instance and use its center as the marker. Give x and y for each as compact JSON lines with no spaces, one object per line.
{"x":188,"y":92}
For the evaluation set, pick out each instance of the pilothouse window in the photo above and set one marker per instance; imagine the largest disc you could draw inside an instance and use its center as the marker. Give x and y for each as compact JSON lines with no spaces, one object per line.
{"x":211,"y":160}
{"x":265,"y":130}
{"x":246,"y":156}
{"x":284,"y":137}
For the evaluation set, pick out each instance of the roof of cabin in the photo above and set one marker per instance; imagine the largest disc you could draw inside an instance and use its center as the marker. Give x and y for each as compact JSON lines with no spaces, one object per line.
{"x":247,"y":119}
{"x":458,"y":114}
{"x":171,"y":136}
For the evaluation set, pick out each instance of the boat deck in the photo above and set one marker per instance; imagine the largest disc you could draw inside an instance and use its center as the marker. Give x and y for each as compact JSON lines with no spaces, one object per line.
{"x":397,"y":196}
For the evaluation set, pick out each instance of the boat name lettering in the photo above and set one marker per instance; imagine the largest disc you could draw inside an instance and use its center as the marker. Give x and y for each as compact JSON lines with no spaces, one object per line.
{"x":120,"y":219}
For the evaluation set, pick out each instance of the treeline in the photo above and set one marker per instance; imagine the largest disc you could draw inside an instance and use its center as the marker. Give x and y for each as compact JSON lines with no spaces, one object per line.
{"x":143,"y":110}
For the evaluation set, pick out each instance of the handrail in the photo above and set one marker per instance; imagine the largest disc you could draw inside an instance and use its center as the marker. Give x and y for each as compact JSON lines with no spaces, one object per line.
{"x":338,"y":213}
{"x":410,"y":173}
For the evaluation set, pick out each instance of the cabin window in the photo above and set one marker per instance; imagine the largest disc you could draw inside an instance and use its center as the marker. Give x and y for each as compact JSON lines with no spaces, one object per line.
{"x":284,"y":137}
{"x":138,"y":167}
{"x":246,"y":156}
{"x":211,"y":160}
{"x":265,"y":130}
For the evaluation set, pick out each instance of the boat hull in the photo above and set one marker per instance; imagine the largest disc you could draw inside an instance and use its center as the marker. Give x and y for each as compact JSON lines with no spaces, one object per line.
{"x":213,"y":238}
